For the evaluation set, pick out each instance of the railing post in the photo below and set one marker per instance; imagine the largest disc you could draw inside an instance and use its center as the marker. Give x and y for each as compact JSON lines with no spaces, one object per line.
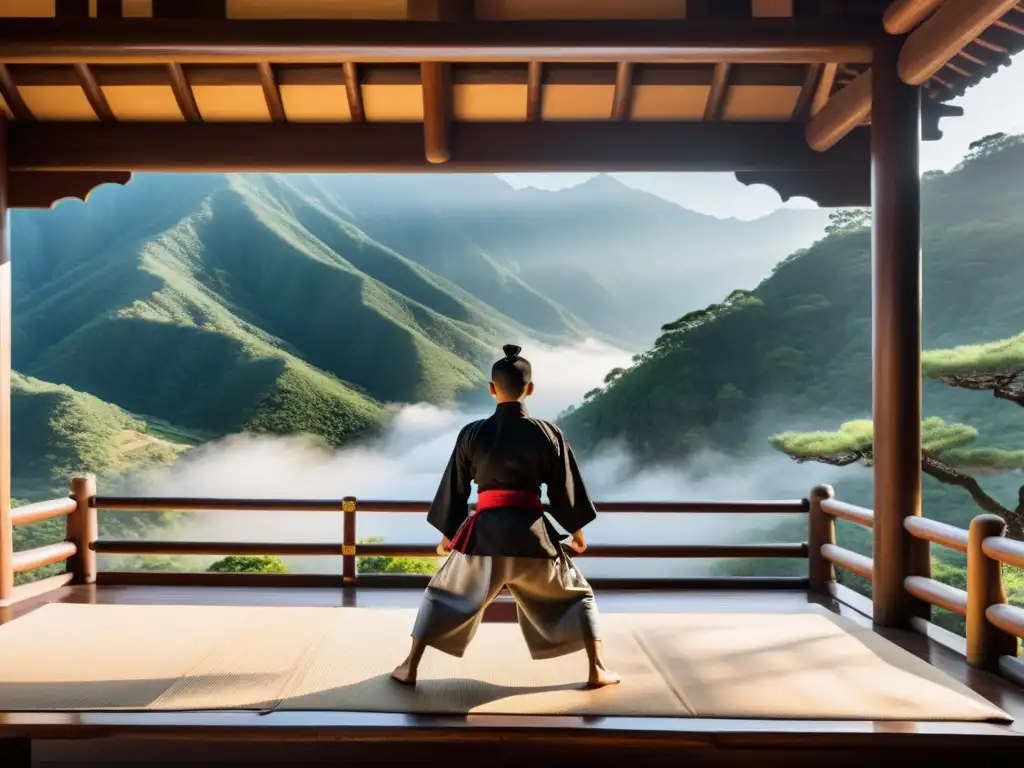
{"x":985,"y":643}
{"x":83,"y":530}
{"x":821,"y":531}
{"x":348,"y":540}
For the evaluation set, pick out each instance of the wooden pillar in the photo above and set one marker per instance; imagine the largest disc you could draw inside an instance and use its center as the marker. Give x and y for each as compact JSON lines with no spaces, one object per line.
{"x":6,"y":527}
{"x":896,"y":319}
{"x":83,"y":530}
{"x":986,"y":644}
{"x":821,"y":531}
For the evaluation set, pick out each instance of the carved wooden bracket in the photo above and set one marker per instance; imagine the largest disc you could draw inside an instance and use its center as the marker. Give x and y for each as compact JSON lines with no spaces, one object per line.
{"x":41,"y":189}
{"x":845,"y":188}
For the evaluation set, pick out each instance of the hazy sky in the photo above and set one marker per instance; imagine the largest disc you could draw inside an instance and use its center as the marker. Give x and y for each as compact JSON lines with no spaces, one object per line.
{"x":996,"y":104}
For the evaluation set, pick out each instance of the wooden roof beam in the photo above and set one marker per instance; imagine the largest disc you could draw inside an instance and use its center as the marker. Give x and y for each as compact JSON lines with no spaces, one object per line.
{"x":398,"y":147}
{"x":795,"y":40}
{"x":12,"y":96}
{"x":436,"y":84}
{"x":841,"y":114}
{"x":183,"y":93}
{"x":623,"y":91}
{"x":533,"y":91}
{"x":271,"y":92}
{"x":436,"y":77}
{"x":93,"y":93}
{"x":903,"y":15}
{"x":944,"y":34}
{"x":927,"y":50}
{"x":353,"y":92}
{"x":719,"y":88}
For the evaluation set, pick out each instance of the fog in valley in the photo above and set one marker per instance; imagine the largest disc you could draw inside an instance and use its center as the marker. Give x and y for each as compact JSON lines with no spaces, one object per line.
{"x":408,"y":461}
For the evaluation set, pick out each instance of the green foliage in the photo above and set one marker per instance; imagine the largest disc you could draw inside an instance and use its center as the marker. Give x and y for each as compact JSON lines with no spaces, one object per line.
{"x":848,"y":220}
{"x":249,"y":564}
{"x":1000,"y":357}
{"x":407,"y":565}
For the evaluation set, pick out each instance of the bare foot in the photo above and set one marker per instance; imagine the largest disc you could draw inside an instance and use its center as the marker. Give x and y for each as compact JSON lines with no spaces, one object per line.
{"x":600,"y":677}
{"x":404,"y":673}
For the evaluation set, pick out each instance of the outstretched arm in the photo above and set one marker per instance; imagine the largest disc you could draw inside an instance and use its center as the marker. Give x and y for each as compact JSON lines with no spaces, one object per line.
{"x":569,"y":503}
{"x":451,"y":502}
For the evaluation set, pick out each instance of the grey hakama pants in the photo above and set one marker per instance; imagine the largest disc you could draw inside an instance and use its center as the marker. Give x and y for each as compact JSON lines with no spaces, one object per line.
{"x":555,"y":604}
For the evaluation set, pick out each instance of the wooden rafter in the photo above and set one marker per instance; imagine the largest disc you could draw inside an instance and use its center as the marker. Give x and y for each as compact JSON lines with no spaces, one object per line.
{"x":947,"y":31}
{"x":994,"y":47}
{"x":183,"y":93}
{"x":353,"y":92}
{"x":533,"y":91}
{"x":94,"y":93}
{"x":972,"y":58}
{"x":271,"y":92}
{"x":796,"y":40}
{"x":841,"y":114}
{"x":11,"y":95}
{"x":1008,"y":25}
{"x":953,"y":66}
{"x":623,"y":91}
{"x":810,"y":86}
{"x":716,"y":96}
{"x":824,"y":88}
{"x":903,"y":15}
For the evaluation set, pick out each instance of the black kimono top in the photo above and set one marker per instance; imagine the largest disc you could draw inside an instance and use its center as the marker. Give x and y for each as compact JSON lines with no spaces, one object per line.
{"x":511,"y":451}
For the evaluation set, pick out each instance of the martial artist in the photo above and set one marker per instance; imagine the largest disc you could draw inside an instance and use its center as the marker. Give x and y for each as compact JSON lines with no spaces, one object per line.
{"x":507,"y":540}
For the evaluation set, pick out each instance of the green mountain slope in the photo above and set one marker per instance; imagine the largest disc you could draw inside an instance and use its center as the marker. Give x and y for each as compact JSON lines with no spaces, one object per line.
{"x":796,"y":353}
{"x":59,"y":432}
{"x":227,"y":303}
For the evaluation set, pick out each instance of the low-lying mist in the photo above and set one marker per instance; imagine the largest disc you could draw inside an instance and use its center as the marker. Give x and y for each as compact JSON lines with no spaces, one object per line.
{"x":408,"y":461}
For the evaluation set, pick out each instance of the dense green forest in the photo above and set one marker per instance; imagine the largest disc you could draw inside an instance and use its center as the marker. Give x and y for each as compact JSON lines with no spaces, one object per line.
{"x":794,"y":356}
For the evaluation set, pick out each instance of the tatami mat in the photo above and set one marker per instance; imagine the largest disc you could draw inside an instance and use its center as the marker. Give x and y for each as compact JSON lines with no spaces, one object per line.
{"x":170,"y":658}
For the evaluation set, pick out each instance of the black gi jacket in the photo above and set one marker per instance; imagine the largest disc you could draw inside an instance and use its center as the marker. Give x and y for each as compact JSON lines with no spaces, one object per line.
{"x":511,"y":451}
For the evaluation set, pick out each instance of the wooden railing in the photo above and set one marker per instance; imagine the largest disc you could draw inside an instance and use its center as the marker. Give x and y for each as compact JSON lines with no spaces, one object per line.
{"x":993,"y":626}
{"x":83,"y":543}
{"x":80,"y":532}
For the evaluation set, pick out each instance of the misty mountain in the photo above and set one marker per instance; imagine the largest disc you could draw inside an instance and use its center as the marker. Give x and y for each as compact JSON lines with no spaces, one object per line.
{"x":226,"y":303}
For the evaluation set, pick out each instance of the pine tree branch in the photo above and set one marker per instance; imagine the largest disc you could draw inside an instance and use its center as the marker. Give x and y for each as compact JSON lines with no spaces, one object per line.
{"x":946,"y":474}
{"x":1005,"y":386}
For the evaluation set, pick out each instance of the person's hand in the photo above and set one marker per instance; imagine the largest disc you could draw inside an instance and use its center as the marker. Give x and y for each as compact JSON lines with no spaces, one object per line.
{"x":444,"y":547}
{"x":578,"y":544}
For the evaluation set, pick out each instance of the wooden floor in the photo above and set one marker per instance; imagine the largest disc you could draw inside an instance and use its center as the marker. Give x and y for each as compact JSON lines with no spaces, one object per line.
{"x":368,"y":737}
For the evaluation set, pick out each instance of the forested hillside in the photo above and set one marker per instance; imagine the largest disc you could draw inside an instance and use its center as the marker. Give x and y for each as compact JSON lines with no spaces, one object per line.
{"x":788,"y":364}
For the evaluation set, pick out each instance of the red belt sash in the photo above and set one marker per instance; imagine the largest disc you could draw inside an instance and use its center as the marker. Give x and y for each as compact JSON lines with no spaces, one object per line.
{"x":493,"y":500}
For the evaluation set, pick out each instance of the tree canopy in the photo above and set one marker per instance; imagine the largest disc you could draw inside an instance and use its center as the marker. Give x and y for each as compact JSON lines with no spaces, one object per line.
{"x":382,"y":564}
{"x":997,"y":366}
{"x":946,"y":454}
{"x":249,"y":564}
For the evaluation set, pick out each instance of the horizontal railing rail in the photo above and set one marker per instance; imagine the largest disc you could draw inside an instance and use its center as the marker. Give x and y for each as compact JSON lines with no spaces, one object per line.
{"x":948,"y":536}
{"x":43,"y":510}
{"x":185,"y":504}
{"x":680,"y":551}
{"x":993,"y":626}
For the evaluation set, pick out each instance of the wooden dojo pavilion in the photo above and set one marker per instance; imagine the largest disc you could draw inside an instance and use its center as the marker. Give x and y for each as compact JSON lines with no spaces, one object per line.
{"x":823,"y":99}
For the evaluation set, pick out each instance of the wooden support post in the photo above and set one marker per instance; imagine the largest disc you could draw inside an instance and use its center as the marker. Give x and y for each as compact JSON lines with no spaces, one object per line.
{"x":896,"y":318}
{"x":348,"y":539}
{"x":6,"y":524}
{"x":83,"y":530}
{"x":822,"y":530}
{"x":985,"y":643}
